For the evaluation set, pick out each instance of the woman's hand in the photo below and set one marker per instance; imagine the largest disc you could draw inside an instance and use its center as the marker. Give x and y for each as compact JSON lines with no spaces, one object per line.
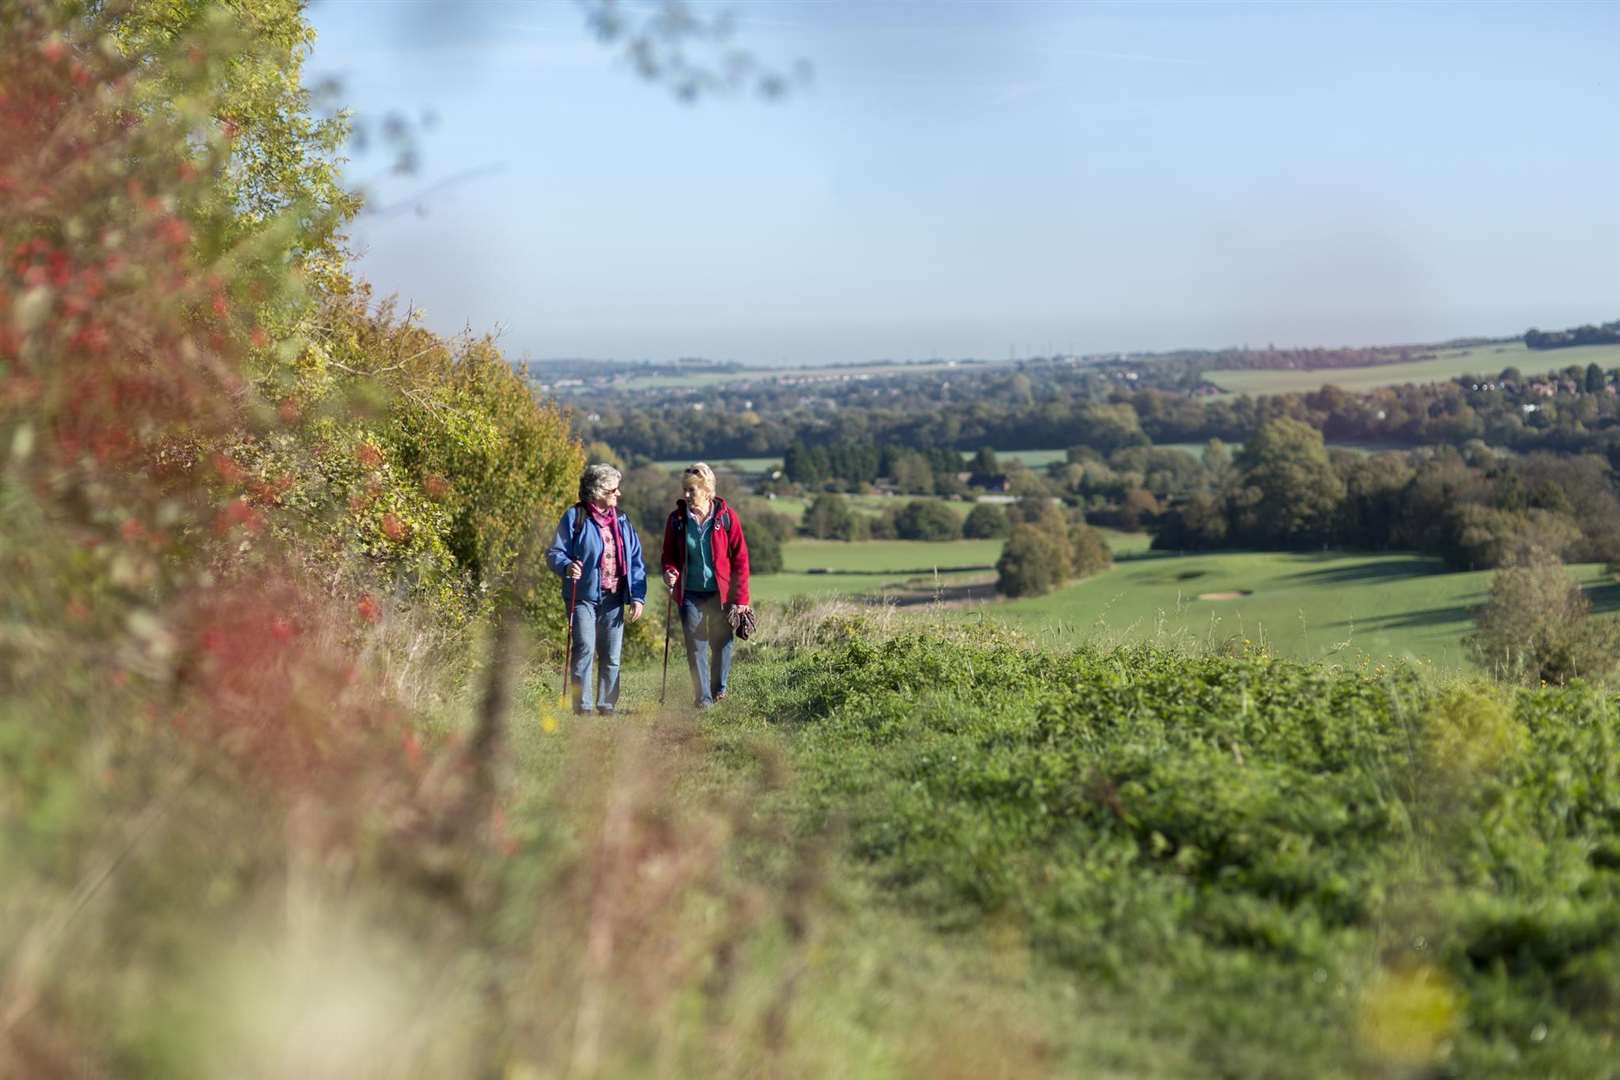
{"x":575,"y":569}
{"x":671,"y":577}
{"x":635,"y":611}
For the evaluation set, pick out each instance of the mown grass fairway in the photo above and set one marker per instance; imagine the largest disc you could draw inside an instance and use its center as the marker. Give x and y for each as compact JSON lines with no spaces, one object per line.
{"x":1483,"y":360}
{"x":1299,"y":605}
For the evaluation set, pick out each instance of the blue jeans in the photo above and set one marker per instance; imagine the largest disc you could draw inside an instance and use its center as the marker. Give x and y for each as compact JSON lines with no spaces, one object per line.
{"x":598,"y":635}
{"x":703,"y":622}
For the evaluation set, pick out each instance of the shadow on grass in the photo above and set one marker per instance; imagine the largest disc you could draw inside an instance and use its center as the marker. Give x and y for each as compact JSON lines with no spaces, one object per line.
{"x":1605,"y":598}
{"x":1374,"y":570}
{"x":1407,"y":620}
{"x":945,"y":595}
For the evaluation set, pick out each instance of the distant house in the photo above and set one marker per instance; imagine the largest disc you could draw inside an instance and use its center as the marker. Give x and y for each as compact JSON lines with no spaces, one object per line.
{"x":993,"y":482}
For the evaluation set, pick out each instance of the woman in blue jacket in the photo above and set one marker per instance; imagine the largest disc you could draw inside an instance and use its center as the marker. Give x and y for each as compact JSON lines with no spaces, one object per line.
{"x":598,"y":555}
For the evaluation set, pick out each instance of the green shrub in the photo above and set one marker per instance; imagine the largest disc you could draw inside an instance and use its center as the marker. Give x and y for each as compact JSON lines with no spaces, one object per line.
{"x":1300,"y":866}
{"x":986,"y":521}
{"x":830,"y":517}
{"x":1537,"y":627}
{"x":1088,"y":551}
{"x":764,"y":550}
{"x":1033,"y":561}
{"x":926,"y":519}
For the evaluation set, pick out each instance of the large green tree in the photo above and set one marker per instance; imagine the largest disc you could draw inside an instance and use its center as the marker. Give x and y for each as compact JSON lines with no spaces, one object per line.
{"x":1287,"y":493}
{"x":248,"y":57}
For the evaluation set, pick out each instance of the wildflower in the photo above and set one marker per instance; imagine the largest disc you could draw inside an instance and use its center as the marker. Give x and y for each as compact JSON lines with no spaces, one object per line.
{"x":238,"y":512}
{"x":368,"y":608}
{"x":228,"y":470}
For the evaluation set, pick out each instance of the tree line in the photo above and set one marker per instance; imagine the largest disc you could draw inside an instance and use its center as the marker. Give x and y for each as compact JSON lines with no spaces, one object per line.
{"x":1474,"y":508}
{"x":1607,"y":334}
{"x":1572,"y":410}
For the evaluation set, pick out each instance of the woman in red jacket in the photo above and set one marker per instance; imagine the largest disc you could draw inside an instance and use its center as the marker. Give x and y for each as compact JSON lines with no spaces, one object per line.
{"x":706,"y":564}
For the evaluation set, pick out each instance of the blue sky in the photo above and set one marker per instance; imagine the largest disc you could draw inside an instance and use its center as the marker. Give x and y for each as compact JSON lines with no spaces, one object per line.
{"x":969,"y":179}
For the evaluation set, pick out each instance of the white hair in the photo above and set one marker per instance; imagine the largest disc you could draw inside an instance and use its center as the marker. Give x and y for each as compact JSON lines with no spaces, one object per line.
{"x":598,"y":480}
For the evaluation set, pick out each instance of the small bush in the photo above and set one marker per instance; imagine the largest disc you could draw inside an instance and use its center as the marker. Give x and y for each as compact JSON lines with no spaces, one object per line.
{"x":1034,"y":561}
{"x":926,"y":519}
{"x":986,"y":521}
{"x":831,"y":517}
{"x":1088,"y":551}
{"x":764,"y":551}
{"x":1537,"y":627}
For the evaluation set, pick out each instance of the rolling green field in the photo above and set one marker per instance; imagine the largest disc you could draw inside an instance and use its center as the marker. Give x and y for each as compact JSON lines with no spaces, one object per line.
{"x":870,"y":505}
{"x":1481,"y":360}
{"x":1035,"y":459}
{"x":835,"y":568}
{"x":1305,"y":606}
{"x":1302,"y":606}
{"x":748,"y":466}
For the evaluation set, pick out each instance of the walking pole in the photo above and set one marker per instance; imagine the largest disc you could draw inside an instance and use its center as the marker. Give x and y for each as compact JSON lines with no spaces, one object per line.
{"x":568,"y":650}
{"x":669,"y":609}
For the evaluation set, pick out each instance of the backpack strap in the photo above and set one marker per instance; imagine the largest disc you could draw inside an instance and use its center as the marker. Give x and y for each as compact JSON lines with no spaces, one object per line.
{"x":579,"y":527}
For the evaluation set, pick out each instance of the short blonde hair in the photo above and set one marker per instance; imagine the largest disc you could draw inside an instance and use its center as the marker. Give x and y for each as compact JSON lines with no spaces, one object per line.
{"x":702,"y":475}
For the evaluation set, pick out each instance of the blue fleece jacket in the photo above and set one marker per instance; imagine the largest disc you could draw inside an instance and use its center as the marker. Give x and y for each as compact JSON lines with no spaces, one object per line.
{"x":586,"y":547}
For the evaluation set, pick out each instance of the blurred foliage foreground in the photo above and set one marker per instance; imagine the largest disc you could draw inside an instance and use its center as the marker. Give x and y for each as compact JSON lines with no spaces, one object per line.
{"x":254,"y":811}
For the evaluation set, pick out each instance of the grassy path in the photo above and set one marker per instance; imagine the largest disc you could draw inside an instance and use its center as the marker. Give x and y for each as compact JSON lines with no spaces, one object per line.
{"x":874,"y":990}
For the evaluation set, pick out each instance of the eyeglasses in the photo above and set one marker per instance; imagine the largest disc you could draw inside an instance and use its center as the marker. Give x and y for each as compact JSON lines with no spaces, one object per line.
{"x":610,"y":494}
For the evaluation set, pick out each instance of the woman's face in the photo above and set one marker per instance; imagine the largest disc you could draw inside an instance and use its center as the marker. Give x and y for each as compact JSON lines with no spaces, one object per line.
{"x":696,"y":495}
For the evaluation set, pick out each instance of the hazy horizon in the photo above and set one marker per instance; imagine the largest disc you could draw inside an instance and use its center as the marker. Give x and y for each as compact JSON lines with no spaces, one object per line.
{"x":967,"y":180}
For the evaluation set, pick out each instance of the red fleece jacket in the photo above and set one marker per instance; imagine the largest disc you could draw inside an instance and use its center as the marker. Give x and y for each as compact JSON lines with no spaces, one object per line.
{"x":730,"y":552}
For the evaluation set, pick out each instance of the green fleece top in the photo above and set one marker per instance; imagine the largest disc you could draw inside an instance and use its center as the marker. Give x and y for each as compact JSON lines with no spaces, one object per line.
{"x":700,"y":553}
